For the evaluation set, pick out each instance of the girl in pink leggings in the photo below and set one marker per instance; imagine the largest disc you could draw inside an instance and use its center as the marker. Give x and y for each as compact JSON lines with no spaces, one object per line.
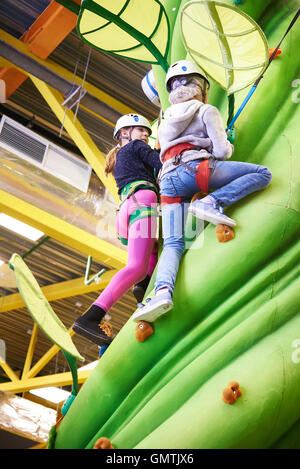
{"x":133,"y":163}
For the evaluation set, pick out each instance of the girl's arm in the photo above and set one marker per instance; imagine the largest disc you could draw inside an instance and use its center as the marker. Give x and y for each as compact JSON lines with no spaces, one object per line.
{"x":212,"y":119}
{"x":147,"y":155}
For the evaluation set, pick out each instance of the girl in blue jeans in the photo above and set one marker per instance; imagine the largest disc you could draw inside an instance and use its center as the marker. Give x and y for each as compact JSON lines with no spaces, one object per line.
{"x":194,"y":148}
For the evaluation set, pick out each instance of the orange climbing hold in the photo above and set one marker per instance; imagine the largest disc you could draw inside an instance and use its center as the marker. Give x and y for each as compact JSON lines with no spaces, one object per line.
{"x":232,"y":392}
{"x":143,"y":330}
{"x":103,"y":443}
{"x":271,"y":52}
{"x":224,"y":233}
{"x":198,"y":195}
{"x":106,"y":328}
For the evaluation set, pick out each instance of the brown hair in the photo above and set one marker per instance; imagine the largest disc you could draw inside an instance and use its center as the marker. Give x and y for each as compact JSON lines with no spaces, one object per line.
{"x":110,"y":160}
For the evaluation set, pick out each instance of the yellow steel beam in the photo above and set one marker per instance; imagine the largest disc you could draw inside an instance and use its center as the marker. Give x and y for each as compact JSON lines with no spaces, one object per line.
{"x":60,"y":379}
{"x":63,"y":231}
{"x":58,"y":291}
{"x":30,"y":350}
{"x":93,"y":90}
{"x":79,"y":135}
{"x":53,"y":292}
{"x":10,"y":373}
{"x":39,"y":446}
{"x":45,"y":359}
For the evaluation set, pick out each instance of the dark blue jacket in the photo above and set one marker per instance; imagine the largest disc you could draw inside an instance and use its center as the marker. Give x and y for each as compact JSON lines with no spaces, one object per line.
{"x":136,"y":161}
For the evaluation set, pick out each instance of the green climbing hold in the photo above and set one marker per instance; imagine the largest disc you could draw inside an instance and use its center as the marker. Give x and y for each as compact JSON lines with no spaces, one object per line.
{"x":231,"y":135}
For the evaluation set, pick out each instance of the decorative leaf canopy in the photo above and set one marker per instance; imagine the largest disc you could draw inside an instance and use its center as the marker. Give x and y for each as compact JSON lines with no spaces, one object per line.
{"x":40,"y":309}
{"x":135,"y":29}
{"x":229,"y":46}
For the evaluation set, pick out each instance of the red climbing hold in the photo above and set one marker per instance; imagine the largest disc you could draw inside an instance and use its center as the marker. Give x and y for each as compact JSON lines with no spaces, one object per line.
{"x":271,"y":52}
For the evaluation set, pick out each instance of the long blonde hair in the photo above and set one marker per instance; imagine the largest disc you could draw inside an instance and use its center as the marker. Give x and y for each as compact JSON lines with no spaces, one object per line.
{"x":110,"y":160}
{"x":111,"y":157}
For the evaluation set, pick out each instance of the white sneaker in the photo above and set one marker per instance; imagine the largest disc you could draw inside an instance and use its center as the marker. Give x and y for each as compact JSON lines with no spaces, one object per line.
{"x":154,"y":307}
{"x":210,"y":213}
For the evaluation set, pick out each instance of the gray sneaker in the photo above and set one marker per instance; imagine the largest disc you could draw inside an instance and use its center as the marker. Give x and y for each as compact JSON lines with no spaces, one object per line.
{"x":154,"y":307}
{"x":210,"y":213}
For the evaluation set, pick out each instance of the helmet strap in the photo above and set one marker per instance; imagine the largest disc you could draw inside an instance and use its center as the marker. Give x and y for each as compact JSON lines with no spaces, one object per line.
{"x":123,"y":137}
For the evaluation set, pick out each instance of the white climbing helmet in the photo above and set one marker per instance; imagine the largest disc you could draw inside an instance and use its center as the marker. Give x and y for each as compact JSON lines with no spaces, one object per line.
{"x":184,"y":67}
{"x":131,"y":120}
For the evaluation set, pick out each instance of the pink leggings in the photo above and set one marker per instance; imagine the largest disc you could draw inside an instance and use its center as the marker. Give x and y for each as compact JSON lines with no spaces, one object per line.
{"x":142,"y":249}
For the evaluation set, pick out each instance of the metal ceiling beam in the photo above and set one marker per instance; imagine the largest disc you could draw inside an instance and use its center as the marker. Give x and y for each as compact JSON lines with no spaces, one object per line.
{"x":58,"y":291}
{"x":30,"y":350}
{"x":45,"y":359}
{"x":60,"y":379}
{"x":10,"y":373}
{"x":71,"y":235}
{"x":28,"y":65}
{"x":79,"y":135}
{"x":61,"y":73}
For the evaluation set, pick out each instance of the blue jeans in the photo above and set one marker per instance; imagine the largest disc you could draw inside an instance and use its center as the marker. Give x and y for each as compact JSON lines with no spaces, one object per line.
{"x":230,"y":180}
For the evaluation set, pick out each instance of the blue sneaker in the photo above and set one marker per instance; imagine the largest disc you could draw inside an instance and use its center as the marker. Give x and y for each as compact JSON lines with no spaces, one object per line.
{"x":210,"y":213}
{"x":154,"y":307}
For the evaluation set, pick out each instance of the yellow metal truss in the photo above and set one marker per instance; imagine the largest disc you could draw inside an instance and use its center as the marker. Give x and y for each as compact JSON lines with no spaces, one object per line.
{"x":76,"y":131}
{"x":29,"y":380}
{"x":71,"y":235}
{"x":79,"y":135}
{"x":60,"y":379}
{"x":58,"y":291}
{"x":10,"y":373}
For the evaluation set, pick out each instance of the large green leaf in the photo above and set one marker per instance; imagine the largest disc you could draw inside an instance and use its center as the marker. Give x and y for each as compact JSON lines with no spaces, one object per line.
{"x":135,"y":29}
{"x":40,"y":309}
{"x":228,"y":44}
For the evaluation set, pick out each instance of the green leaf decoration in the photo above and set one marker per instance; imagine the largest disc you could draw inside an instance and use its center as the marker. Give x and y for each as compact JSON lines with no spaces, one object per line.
{"x":229,"y":45}
{"x":40,"y":309}
{"x":134,"y":29}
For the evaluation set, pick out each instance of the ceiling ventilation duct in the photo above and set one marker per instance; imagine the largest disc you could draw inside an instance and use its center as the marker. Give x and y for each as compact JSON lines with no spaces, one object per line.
{"x":50,"y":158}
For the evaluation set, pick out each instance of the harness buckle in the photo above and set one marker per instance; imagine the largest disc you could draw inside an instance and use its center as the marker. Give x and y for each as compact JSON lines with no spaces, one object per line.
{"x":177,"y":159}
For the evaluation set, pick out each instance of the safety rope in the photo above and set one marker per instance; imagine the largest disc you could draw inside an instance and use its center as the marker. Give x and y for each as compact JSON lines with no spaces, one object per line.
{"x":253,"y":88}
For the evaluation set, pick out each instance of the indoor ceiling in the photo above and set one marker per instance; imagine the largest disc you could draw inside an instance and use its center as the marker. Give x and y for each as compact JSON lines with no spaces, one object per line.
{"x":55,"y":261}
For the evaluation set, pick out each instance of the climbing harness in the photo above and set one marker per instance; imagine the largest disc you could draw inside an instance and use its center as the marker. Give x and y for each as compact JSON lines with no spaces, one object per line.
{"x":132,"y":187}
{"x":174,"y":156}
{"x":141,"y":212}
{"x":231,"y":124}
